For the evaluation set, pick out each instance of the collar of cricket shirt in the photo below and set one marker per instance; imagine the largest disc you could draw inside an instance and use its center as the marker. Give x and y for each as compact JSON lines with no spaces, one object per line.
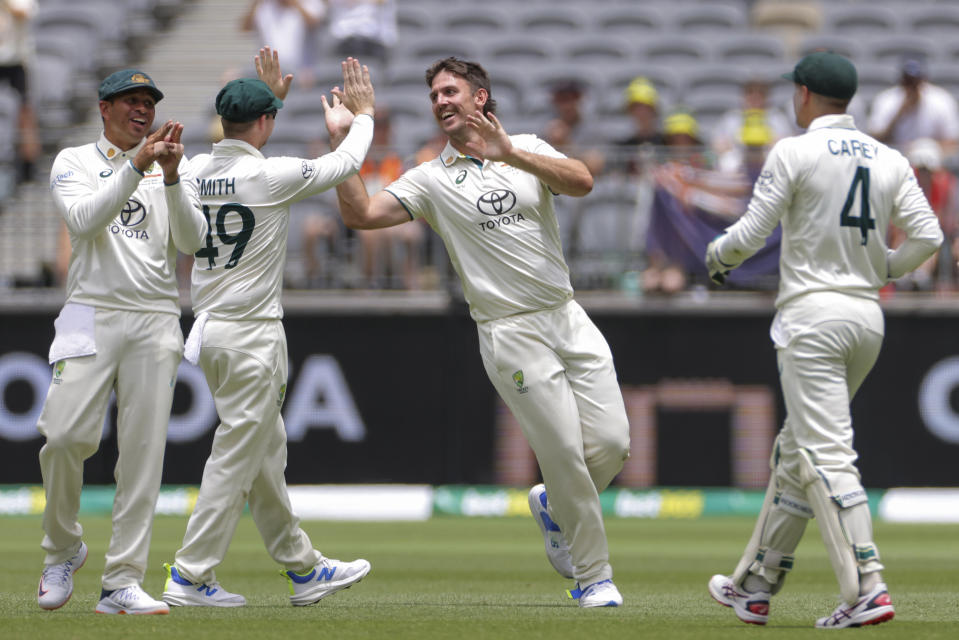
{"x":834,"y":120}
{"x":232,"y":146}
{"x":451,"y":155}
{"x":112,"y":152}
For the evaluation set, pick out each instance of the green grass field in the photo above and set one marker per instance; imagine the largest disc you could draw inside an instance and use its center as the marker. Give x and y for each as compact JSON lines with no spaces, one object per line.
{"x":488,"y":578}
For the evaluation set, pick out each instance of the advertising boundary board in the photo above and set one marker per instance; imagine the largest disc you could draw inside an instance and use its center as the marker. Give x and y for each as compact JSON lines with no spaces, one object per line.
{"x":403,"y":398}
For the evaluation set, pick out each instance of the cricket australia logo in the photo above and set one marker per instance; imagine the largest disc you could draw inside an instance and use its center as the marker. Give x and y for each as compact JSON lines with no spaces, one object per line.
{"x":520,"y":382}
{"x":765,"y":181}
{"x":496,"y":202}
{"x":58,"y":371}
{"x":307,"y":169}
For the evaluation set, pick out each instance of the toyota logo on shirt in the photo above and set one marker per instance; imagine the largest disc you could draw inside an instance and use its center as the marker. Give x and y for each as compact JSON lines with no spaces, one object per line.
{"x":496,"y":202}
{"x":132,"y":214}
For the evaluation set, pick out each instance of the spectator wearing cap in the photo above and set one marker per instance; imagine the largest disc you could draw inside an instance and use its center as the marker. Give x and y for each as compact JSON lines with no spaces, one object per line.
{"x":569,"y":130}
{"x":755,"y":115}
{"x":642,"y":106}
{"x":126,"y":215}
{"x":914,"y":109}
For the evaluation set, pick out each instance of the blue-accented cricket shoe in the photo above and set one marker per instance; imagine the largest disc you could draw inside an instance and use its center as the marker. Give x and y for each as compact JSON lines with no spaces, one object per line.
{"x":599,"y":594}
{"x":557,"y":549}
{"x":327,"y":577}
{"x":180,"y":592}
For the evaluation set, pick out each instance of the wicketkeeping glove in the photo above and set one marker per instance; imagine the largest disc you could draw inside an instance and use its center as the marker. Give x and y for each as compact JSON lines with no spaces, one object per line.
{"x":718,"y":270}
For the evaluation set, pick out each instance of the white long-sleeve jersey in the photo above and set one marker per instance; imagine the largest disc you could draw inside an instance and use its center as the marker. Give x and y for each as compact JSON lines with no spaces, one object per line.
{"x":120,"y":224}
{"x":499,"y":228}
{"x":246,"y":198}
{"x":835,"y":190}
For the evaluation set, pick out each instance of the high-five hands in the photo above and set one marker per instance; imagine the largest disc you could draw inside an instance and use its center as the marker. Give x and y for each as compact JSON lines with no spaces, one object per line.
{"x":268,"y":70}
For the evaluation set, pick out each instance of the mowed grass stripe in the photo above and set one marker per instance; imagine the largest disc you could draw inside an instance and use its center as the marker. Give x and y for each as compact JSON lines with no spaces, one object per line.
{"x":487,"y":578}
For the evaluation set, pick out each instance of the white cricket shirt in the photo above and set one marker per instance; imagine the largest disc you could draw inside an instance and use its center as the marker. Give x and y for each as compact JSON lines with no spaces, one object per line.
{"x":246,"y":197}
{"x":835,"y":190}
{"x":499,"y":228}
{"x":119,"y":223}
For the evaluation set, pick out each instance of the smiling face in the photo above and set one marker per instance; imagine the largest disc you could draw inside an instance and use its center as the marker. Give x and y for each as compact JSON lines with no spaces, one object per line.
{"x":127,"y":117}
{"x":453,"y":99}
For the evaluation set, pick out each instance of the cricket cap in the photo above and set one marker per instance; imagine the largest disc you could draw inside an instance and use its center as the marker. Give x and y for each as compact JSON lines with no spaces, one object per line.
{"x":246,"y":99}
{"x":826,"y":73}
{"x":126,"y":80}
{"x":641,"y":91}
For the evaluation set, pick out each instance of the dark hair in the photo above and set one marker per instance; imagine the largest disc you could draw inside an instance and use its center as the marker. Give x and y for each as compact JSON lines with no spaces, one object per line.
{"x":472,"y":72}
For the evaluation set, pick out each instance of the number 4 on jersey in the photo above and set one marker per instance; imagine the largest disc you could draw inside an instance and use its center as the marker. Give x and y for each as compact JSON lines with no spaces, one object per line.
{"x":863,"y":221}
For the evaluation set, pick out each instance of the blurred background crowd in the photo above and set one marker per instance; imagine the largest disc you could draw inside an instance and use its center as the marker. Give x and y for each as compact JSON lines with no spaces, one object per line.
{"x":672,"y":104}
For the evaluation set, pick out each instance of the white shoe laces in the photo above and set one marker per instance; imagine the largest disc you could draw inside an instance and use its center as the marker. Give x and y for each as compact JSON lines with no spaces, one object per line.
{"x":58,"y":574}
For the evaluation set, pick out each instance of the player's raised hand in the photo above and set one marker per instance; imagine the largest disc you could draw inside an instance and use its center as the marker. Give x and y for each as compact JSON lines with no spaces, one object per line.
{"x":357,"y":94}
{"x":169,"y":152}
{"x":268,"y":70}
{"x":494,"y":143}
{"x":338,"y":119}
{"x":147,"y":153}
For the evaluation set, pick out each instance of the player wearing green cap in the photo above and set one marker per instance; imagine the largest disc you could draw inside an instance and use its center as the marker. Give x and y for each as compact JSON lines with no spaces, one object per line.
{"x":126,"y":214}
{"x":238,"y":338}
{"x":834,"y":190}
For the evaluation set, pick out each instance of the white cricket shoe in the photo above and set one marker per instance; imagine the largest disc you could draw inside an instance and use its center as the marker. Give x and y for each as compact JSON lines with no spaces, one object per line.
{"x":180,"y":592}
{"x":599,"y":594}
{"x":749,"y":607}
{"x":872,"y":608}
{"x":328,"y":576}
{"x":130,"y":600}
{"x":557,"y":549}
{"x":56,"y":581}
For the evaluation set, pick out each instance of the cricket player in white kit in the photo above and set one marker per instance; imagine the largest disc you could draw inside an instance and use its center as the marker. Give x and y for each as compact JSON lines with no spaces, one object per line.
{"x":489,"y":196}
{"x":238,"y":333}
{"x":834,"y":190}
{"x":126,"y":214}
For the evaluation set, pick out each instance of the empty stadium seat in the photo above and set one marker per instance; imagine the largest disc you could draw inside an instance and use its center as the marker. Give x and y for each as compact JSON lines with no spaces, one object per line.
{"x":746,"y":47}
{"x":700,"y":17}
{"x":672,"y":48}
{"x":635,"y":19}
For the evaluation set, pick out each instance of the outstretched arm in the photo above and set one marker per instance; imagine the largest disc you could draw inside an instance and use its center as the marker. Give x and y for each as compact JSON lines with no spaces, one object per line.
{"x":562,"y":175}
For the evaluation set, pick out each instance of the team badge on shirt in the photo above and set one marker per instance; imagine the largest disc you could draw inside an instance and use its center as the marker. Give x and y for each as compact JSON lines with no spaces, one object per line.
{"x":520,"y":382}
{"x":765,"y":181}
{"x":307,"y":169}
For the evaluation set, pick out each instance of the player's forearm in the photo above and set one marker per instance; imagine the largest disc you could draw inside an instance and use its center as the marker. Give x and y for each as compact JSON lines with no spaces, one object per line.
{"x":188,"y":226}
{"x":563,"y":175}
{"x":354,"y":203}
{"x":912,"y":253}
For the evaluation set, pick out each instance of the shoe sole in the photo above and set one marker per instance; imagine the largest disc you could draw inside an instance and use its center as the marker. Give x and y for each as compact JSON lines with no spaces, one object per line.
{"x":174,"y":600}
{"x":884,"y":616}
{"x":121,"y":612}
{"x":723,"y":602}
{"x":69,"y":595}
{"x":305,"y":600}
{"x":535,"y":506}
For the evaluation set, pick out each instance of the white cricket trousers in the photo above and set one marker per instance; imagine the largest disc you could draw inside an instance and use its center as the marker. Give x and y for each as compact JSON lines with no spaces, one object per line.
{"x":245,"y":364}
{"x":554,"y":370}
{"x":137,"y":356}
{"x":820,"y":371}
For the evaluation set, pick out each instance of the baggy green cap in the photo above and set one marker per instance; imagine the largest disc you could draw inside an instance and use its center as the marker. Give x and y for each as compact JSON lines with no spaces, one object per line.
{"x":246,"y":99}
{"x":826,"y":73}
{"x":125,"y":80}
